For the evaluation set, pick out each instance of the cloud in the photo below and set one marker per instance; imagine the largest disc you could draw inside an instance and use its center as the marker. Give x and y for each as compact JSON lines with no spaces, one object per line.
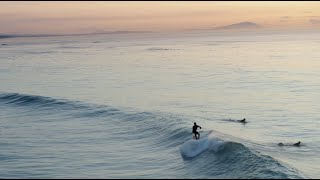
{"x":284,"y":17}
{"x":315,"y":21}
{"x":83,"y":18}
{"x":313,"y":16}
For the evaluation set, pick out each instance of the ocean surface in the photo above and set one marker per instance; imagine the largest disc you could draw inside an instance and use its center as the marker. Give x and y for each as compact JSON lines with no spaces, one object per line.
{"x":123,"y":106}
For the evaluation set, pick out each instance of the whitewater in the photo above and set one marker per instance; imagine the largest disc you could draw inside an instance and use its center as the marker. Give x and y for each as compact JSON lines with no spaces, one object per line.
{"x":123,"y":106}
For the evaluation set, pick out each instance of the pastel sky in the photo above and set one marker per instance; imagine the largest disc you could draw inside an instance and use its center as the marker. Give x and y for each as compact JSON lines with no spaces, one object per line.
{"x":84,"y":17}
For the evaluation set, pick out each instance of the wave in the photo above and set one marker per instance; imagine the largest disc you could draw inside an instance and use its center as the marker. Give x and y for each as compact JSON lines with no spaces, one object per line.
{"x":194,"y":147}
{"x":160,"y":49}
{"x":72,"y":47}
{"x":228,"y":159}
{"x":209,"y":156}
{"x":33,"y":100}
{"x":40,"y":52}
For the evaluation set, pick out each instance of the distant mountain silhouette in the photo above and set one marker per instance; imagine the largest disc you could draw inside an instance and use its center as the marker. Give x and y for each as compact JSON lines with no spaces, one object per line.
{"x":241,"y":25}
{"x":49,"y":35}
{"x":5,"y":36}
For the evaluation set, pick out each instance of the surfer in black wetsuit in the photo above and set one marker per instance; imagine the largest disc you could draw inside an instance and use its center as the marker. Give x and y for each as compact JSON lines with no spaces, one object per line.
{"x":195,"y":132}
{"x":295,"y":144}
{"x":243,"y":120}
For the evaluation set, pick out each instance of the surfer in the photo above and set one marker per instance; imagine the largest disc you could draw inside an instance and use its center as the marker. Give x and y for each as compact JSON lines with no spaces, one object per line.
{"x":243,"y":120}
{"x":295,"y":144}
{"x":195,"y":132}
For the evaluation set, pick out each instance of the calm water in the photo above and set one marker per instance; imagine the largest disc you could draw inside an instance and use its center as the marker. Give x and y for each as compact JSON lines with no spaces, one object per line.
{"x":122,"y":106}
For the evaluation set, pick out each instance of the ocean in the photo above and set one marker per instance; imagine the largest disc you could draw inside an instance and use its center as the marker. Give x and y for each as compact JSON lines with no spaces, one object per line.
{"x":123,"y":105}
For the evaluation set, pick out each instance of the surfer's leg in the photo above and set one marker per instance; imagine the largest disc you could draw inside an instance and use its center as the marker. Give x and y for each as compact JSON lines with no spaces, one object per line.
{"x":197,"y":135}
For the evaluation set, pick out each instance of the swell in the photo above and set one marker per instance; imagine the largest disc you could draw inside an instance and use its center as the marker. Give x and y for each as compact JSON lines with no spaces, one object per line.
{"x":33,"y":100}
{"x":229,"y":159}
{"x":165,"y":132}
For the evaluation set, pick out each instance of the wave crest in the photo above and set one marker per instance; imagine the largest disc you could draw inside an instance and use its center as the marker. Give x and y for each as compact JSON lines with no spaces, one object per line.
{"x":33,"y":100}
{"x":194,"y":147}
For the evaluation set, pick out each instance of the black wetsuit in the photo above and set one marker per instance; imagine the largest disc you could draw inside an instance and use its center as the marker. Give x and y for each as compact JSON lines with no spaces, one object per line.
{"x":194,"y":130}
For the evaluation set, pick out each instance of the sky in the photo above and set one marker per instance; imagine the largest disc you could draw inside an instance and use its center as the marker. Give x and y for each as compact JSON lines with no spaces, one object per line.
{"x":68,"y":17}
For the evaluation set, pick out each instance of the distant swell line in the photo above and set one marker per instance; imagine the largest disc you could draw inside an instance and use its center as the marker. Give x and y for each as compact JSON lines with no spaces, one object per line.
{"x":76,"y":108}
{"x":32,"y":100}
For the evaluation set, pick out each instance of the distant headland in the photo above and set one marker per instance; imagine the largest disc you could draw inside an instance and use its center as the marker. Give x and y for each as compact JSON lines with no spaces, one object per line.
{"x":2,"y":36}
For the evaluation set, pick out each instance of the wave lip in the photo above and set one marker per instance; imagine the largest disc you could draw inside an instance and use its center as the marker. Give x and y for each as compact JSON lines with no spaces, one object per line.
{"x":194,"y":147}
